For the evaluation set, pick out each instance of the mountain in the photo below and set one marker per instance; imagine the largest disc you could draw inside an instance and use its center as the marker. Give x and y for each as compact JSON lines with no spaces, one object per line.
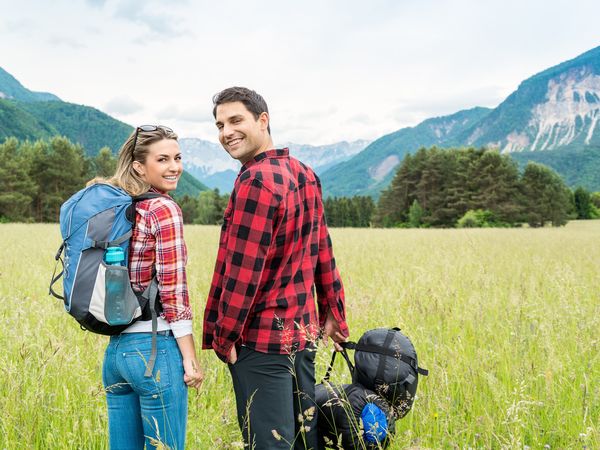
{"x":554,"y":111}
{"x":15,"y":121}
{"x":372,"y":169}
{"x":25,"y":114}
{"x":87,"y":126}
{"x":578,"y":166}
{"x":208,"y":161}
{"x":322,"y":157}
{"x":11,"y":89}
{"x":188,"y":185}
{"x":556,"y":108}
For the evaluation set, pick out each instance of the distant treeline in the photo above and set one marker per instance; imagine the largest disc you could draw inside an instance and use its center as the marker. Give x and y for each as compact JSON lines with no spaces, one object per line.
{"x":208,"y":208}
{"x":432,"y":188}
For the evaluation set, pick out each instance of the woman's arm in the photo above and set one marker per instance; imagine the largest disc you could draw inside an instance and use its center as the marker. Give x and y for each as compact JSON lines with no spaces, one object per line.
{"x":171,"y":259}
{"x":193,"y":375}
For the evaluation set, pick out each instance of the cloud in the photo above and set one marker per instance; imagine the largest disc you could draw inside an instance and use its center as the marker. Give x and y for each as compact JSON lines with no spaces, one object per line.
{"x":412,"y":111}
{"x":158,"y":25}
{"x":194,"y":114}
{"x":122,"y":105}
{"x":65,"y":41}
{"x":18,"y":26}
{"x":96,"y":3}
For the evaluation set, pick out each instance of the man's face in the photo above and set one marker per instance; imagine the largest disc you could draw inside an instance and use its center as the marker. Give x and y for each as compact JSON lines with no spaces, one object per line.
{"x":240,"y":134}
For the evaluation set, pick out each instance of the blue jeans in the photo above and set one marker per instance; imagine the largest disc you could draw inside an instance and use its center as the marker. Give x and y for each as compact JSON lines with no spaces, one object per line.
{"x":144,"y":410}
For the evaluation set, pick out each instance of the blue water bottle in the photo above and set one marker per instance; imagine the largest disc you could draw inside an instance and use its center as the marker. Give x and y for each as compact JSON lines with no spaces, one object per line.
{"x":117,"y":287}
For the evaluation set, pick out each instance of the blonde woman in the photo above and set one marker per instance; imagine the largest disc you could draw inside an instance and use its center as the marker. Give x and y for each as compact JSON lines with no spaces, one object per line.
{"x":152,"y":410}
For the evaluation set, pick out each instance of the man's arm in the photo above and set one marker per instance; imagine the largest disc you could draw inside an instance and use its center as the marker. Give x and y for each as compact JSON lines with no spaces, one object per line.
{"x":249,"y":236}
{"x":330,"y":291}
{"x":216,"y":286}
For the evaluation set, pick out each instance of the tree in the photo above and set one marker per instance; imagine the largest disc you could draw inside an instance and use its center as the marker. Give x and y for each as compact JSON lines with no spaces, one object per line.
{"x":103,"y":164}
{"x":16,"y":187}
{"x":545,"y":196}
{"x":494,"y":181}
{"x":211,"y":207}
{"x":415,"y":214}
{"x":189,"y":208}
{"x":58,"y":169}
{"x":583,"y":203}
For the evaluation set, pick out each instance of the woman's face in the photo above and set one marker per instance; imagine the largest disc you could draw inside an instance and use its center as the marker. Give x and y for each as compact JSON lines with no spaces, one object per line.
{"x":163,"y":165}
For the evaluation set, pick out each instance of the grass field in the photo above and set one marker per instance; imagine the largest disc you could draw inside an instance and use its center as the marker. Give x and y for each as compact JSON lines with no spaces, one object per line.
{"x":507,"y":321}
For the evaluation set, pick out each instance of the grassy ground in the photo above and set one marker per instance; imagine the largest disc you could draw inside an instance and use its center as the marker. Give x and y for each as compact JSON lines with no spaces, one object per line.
{"x":507,"y":322}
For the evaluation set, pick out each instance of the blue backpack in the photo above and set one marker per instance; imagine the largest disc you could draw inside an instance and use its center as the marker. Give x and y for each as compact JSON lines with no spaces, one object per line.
{"x":92,"y":220}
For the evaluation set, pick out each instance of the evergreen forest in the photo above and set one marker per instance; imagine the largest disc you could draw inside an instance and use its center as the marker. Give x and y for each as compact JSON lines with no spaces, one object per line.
{"x":434,"y":187}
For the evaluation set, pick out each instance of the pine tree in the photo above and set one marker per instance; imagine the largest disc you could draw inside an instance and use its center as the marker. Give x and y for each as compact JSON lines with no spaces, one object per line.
{"x":103,"y":164}
{"x":545,"y":196}
{"x":58,"y":169}
{"x":494,"y":181}
{"x":16,"y":187}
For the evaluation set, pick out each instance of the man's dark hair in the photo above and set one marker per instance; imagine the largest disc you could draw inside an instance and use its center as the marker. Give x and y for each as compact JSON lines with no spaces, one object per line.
{"x":251,"y":100}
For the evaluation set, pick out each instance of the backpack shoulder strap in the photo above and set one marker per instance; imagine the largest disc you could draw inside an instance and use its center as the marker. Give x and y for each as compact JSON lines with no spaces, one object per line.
{"x":146,"y":196}
{"x":55,"y":277}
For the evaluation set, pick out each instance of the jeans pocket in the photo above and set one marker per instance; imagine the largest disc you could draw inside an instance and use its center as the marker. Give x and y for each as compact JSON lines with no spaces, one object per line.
{"x":135,"y":366}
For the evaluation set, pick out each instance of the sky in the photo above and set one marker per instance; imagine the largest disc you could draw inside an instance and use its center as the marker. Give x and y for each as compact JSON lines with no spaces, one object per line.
{"x":330,"y":70}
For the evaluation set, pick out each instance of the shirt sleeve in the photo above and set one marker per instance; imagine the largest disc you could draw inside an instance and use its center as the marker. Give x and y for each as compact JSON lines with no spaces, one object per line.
{"x":211,"y":310}
{"x":328,"y":284}
{"x":248,"y":236}
{"x":171,"y":258}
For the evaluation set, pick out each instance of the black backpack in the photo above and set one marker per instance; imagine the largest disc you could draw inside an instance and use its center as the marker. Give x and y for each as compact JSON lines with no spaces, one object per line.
{"x":385,"y":361}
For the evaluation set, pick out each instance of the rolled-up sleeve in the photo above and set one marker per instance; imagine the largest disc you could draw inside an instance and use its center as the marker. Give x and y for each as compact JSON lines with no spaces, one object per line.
{"x":171,"y":258}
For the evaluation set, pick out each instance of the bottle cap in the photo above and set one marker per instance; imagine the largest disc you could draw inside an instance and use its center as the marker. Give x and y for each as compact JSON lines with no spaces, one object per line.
{"x":114,"y":255}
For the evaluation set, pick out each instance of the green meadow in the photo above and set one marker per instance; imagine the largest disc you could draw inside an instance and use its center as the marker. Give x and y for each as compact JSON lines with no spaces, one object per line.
{"x":506,"y":320}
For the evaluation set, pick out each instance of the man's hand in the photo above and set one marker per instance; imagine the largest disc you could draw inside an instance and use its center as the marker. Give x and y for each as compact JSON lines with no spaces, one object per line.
{"x":193,"y":374}
{"x":233,"y":355}
{"x":331,"y":329}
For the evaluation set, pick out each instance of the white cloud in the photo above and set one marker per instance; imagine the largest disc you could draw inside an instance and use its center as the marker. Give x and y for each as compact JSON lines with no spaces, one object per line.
{"x":153,"y":17}
{"x":66,"y":41}
{"x":122,"y":106}
{"x":330,"y":71}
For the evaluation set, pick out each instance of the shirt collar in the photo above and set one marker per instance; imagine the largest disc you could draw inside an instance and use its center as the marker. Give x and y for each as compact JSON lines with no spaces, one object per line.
{"x":157,"y":191}
{"x":273,"y":153}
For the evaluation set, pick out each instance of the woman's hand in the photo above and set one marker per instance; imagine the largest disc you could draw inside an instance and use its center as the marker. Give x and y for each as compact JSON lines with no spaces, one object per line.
{"x":193,"y":374}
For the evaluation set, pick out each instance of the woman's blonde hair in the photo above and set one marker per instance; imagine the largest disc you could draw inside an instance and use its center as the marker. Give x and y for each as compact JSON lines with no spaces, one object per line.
{"x":132,"y":150}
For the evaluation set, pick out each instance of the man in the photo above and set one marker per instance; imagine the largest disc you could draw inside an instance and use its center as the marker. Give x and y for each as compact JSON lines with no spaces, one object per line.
{"x":261,"y":316}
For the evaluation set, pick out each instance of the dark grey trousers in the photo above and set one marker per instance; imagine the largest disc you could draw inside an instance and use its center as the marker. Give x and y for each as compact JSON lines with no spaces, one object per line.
{"x":275,"y":399}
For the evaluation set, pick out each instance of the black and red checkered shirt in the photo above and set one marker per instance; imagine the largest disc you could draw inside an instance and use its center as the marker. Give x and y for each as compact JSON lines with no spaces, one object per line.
{"x":274,"y":248}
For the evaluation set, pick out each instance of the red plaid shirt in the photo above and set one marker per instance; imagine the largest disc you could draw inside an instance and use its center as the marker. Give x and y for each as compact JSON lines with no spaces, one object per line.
{"x":274,"y":248}
{"x":157,"y":242}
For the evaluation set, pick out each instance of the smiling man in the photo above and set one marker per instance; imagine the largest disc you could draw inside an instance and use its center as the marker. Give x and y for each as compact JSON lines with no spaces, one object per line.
{"x":261,"y":316}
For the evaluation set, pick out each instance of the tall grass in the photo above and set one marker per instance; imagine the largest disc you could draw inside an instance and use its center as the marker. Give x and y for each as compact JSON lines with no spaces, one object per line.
{"x":507,"y":322}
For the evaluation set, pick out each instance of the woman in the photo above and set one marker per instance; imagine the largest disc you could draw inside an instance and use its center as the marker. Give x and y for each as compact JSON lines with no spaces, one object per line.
{"x":153,"y":410}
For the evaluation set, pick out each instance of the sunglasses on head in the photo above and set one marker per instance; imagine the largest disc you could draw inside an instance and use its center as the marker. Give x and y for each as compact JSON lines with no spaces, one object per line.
{"x":147,"y":128}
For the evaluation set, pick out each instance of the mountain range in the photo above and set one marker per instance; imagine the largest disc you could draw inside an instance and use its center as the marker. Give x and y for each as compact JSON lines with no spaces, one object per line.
{"x":208,"y":161}
{"x":553,"y":117}
{"x":25,"y":114}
